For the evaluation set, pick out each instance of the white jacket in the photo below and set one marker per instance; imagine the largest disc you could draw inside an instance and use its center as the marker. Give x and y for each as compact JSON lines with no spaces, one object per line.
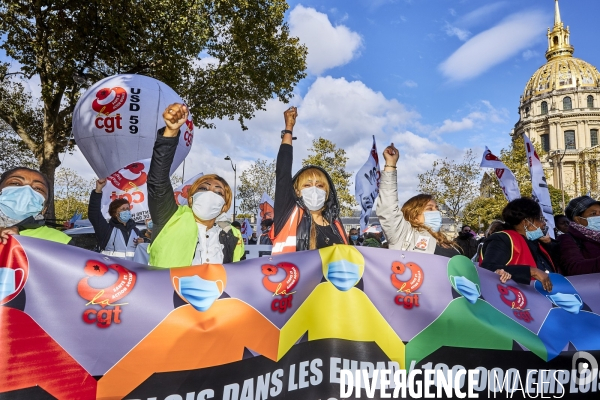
{"x":399,"y":232}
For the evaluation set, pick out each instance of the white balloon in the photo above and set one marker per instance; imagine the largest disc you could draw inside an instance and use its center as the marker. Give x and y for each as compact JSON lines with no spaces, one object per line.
{"x":115,"y":122}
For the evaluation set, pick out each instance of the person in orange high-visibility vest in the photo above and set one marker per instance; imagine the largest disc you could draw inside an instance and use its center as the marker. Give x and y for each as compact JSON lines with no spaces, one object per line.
{"x":306,"y":215}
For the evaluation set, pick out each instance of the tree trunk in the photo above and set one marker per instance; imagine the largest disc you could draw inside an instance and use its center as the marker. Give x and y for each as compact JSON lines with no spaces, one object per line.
{"x":48,"y":167}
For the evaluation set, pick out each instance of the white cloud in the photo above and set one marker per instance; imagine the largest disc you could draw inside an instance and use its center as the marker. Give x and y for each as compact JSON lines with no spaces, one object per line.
{"x":328,"y":46}
{"x":461,"y":34}
{"x":476,"y":16}
{"x":410,"y":83}
{"x":529,"y":54}
{"x":488,"y":114}
{"x":495,"y":46}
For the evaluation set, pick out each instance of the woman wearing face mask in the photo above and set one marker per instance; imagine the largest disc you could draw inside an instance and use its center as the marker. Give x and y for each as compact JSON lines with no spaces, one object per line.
{"x":353,"y":237}
{"x":119,"y":236}
{"x":190,"y":234}
{"x":415,"y":227}
{"x":580,"y":246}
{"x":24,"y":198}
{"x":516,"y":248}
{"x":306,"y":205}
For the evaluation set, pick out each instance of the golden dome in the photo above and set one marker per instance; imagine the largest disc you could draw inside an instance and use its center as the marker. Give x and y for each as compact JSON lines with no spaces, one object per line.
{"x":562,"y":73}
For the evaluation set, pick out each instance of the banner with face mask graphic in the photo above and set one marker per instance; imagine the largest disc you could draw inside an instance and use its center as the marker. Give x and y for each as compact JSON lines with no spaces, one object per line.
{"x":539,"y":185}
{"x":116,"y":120}
{"x":75,"y":324}
{"x":265,"y":210}
{"x":129,"y":183}
{"x":506,"y":179}
{"x":181,"y":191}
{"x":366,"y":186}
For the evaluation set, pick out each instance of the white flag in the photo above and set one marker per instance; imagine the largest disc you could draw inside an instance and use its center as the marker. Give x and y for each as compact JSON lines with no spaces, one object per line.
{"x":129,"y":183}
{"x":506,"y":179}
{"x":366,"y":186}
{"x":265,"y":209}
{"x":181,"y":191}
{"x":539,"y":187}
{"x":246,"y":230}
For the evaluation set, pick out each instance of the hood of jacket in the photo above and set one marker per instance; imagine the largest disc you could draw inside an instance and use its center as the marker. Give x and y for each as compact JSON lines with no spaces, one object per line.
{"x":332,"y":205}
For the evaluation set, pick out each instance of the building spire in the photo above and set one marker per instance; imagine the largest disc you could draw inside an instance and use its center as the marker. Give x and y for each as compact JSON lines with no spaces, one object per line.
{"x":557,"y":20}
{"x":558,"y":38}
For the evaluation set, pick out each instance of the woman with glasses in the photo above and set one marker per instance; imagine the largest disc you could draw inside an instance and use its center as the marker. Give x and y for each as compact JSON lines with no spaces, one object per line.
{"x":580,"y":246}
{"x":516,"y":248}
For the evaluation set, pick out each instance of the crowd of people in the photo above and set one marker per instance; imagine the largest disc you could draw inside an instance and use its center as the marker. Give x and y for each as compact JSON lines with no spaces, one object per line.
{"x":306,"y":217}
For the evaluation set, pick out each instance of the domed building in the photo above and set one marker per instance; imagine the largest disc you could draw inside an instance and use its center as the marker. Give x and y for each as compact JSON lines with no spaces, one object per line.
{"x":560,"y":110}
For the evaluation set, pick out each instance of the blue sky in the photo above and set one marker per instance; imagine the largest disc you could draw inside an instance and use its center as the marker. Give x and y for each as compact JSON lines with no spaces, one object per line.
{"x":436,"y":77}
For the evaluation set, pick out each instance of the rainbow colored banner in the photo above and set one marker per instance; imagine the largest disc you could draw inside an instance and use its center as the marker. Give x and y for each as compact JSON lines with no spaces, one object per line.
{"x":79,"y":325}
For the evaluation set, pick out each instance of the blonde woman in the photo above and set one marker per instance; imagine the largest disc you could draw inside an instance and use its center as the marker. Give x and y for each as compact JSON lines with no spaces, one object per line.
{"x":190,"y":234}
{"x":306,"y":214}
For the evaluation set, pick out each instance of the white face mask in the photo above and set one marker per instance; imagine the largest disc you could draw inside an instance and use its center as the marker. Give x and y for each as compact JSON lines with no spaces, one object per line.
{"x":207,"y":205}
{"x":314,"y":198}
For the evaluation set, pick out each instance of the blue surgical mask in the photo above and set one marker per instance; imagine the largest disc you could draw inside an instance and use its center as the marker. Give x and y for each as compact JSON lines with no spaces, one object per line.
{"x":200,"y":293}
{"x":125,"y":215}
{"x":593,"y":223}
{"x":433,"y":219}
{"x":150,"y":225}
{"x":21,"y":202}
{"x":534,"y":235}
{"x":354,"y":237}
{"x":467,"y":288}
{"x":343,"y":274}
{"x":569,"y":302}
{"x":7,"y":281}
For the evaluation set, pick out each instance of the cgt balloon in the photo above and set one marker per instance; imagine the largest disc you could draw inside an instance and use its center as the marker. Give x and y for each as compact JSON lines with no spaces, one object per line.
{"x":115,"y":122}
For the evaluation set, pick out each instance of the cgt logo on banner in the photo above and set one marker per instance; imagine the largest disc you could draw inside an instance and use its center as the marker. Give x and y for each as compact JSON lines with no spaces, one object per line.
{"x":516,"y":300}
{"x":282,"y":288}
{"x":108,"y":101}
{"x":106,"y":297}
{"x":407,"y":297}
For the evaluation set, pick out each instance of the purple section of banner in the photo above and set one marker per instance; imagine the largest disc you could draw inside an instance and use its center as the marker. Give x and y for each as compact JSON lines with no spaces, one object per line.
{"x":433,"y":295}
{"x":53,"y":302}
{"x":245,"y":282}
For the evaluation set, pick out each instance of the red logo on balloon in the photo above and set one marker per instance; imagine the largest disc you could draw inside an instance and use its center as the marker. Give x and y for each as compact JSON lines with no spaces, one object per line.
{"x":282,"y":288}
{"x":105,"y":297}
{"x":109,"y":100}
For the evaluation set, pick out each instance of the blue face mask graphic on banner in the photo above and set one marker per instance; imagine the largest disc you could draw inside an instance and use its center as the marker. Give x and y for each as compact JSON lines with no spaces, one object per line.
{"x":21,"y":202}
{"x":125,"y":215}
{"x":433,"y":219}
{"x":568,"y":302}
{"x":467,"y":288}
{"x":200,"y":293}
{"x":8,"y":281}
{"x":343,"y":274}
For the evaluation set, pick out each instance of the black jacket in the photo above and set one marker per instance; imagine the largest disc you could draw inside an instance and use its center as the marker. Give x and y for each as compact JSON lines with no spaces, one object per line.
{"x":161,"y":199}
{"x":286,"y":200}
{"x":468,"y":245}
{"x":102,"y":228}
{"x":497,"y":250}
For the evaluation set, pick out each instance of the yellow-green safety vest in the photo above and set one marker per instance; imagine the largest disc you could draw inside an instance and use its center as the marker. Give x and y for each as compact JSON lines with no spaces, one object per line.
{"x":43,"y":232}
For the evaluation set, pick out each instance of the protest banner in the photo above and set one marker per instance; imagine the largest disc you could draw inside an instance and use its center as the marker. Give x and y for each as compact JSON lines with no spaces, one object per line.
{"x":75,"y":324}
{"x":506,"y":179}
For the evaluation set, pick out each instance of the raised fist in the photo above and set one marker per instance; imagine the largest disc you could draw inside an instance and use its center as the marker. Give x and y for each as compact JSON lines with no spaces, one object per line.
{"x":175,"y":115}
{"x":391,"y":155}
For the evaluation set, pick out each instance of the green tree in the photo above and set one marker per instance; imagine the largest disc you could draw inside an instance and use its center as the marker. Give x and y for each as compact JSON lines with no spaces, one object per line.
{"x":452,"y":184}
{"x":326,"y":155}
{"x":259,"y":178}
{"x":226,"y":58}
{"x":71,"y":194}
{"x":14,"y":152}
